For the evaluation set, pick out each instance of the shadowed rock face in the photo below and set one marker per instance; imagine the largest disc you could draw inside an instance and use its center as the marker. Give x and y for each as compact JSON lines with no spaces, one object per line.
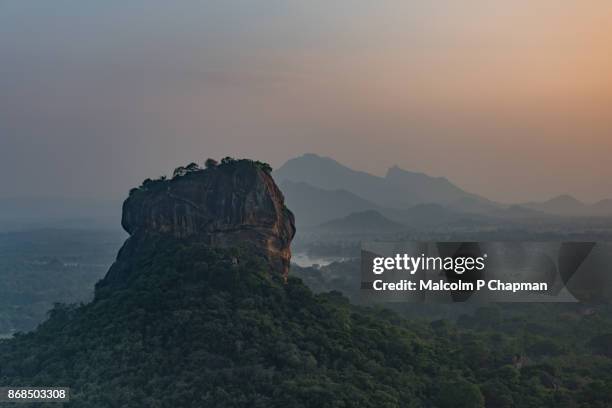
{"x":231,"y":205}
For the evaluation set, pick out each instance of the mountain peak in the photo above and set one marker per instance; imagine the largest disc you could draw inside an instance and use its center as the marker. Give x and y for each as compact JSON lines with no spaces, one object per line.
{"x":563,"y":204}
{"x":398,"y":189}
{"x":311,"y":162}
{"x":397,"y":169}
{"x":565,"y":198}
{"x":313,"y":156}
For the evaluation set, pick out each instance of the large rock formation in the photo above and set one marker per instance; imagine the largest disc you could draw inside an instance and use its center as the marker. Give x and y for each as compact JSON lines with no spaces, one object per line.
{"x":234,"y":204}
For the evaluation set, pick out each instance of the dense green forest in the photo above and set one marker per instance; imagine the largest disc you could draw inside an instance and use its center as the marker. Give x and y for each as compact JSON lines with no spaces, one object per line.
{"x":41,"y":267}
{"x":193,"y":328}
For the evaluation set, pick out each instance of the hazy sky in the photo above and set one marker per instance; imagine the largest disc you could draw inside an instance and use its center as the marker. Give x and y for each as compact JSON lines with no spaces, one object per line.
{"x":509,"y":99}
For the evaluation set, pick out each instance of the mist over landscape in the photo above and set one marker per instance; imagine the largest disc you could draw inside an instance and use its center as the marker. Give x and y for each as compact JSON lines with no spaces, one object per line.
{"x":508,"y":101}
{"x":320,"y":189}
{"x":193,"y":191}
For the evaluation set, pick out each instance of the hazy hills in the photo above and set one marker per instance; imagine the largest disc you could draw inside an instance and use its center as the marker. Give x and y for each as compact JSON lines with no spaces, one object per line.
{"x":316,"y":205}
{"x":399,"y":188}
{"x":369,"y":221}
{"x":566,"y":205}
{"x":319,"y":189}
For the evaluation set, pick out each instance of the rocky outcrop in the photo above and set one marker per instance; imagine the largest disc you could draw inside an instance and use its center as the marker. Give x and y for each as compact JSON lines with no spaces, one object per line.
{"x":234,"y":204}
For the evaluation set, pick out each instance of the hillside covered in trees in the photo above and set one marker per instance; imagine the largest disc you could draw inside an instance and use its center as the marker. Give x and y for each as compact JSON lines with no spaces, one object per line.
{"x":190,"y":316}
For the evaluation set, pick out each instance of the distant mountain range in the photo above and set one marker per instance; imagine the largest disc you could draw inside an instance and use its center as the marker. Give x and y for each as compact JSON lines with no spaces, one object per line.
{"x":566,"y":205}
{"x":399,"y":188}
{"x":370,"y":221}
{"x":319,"y":189}
{"x":314,"y":206}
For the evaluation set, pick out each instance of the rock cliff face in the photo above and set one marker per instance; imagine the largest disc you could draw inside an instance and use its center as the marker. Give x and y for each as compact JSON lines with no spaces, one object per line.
{"x":234,"y":204}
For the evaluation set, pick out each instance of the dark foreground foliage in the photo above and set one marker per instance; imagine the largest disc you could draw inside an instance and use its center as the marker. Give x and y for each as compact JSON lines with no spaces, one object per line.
{"x":196,"y":327}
